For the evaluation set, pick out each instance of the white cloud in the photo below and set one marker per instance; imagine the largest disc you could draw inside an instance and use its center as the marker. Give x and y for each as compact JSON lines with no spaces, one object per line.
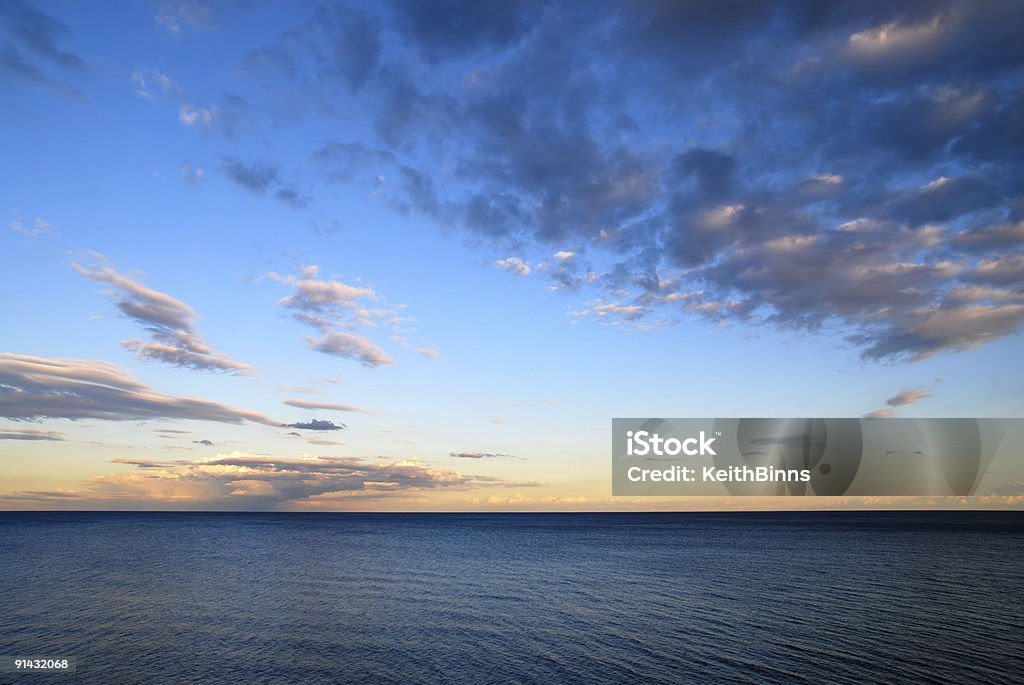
{"x":514,"y":265}
{"x":336,"y":309}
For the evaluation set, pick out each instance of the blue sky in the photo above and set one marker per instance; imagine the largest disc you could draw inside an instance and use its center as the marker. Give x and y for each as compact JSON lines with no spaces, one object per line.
{"x":474,"y":233}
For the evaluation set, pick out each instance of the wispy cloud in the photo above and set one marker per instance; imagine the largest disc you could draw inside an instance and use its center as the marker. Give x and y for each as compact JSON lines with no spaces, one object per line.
{"x":907,"y":396}
{"x":194,"y":176}
{"x":42,"y":387}
{"x":31,"y":434}
{"x":482,"y":455}
{"x":226,"y":119}
{"x":169,"y":322}
{"x":328,"y":406}
{"x":38,"y":227}
{"x":880,"y":414}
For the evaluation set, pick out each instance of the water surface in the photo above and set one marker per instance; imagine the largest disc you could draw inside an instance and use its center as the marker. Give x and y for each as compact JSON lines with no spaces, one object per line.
{"x":534,"y":598}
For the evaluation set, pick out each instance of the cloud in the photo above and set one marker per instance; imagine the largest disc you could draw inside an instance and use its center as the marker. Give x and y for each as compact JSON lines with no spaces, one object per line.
{"x":323,"y":442}
{"x":29,"y":434}
{"x":32,"y":48}
{"x":880,"y":414}
{"x":246,"y":481}
{"x":41,"y":387}
{"x":335,"y":309}
{"x":194,"y":176}
{"x":169,"y":322}
{"x":315,"y":425}
{"x":176,"y":15}
{"x":907,"y":396}
{"x":481,"y":455}
{"x":452,"y":29}
{"x":329,"y":406}
{"x":429,"y":353}
{"x":257,"y":177}
{"x":207,"y":443}
{"x":37,"y":228}
{"x":226,"y":119}
{"x":350,"y":346}
{"x":862,"y":164}
{"x":514,"y":265}
{"x":146,"y":463}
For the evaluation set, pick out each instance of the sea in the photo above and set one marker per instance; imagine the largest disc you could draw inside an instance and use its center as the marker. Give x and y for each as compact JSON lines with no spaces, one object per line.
{"x":818,"y":597}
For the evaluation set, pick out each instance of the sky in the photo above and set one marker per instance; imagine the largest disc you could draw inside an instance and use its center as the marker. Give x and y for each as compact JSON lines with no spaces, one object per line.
{"x":416,"y":256}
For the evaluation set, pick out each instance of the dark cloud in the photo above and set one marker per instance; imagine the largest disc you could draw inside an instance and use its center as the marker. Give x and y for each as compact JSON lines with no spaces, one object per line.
{"x":712,"y":169}
{"x":32,"y":45}
{"x":316,"y":425}
{"x":41,"y":387}
{"x":256,"y":177}
{"x":450,"y":28}
{"x":945,"y":199}
{"x":815,"y":166}
{"x":291,"y":197}
{"x":169,"y":322}
{"x":996,"y":237}
{"x":263,"y":178}
{"x":207,"y":443}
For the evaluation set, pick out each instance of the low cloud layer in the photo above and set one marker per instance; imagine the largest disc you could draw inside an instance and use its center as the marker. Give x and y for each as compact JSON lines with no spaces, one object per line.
{"x":246,"y":481}
{"x":53,"y":388}
{"x":169,"y":322}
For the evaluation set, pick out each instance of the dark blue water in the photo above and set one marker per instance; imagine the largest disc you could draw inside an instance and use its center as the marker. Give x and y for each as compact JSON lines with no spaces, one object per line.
{"x":590,"y":598}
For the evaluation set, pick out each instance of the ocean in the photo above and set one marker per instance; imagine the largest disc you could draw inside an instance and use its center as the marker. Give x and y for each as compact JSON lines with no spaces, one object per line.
{"x":823,"y":597}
